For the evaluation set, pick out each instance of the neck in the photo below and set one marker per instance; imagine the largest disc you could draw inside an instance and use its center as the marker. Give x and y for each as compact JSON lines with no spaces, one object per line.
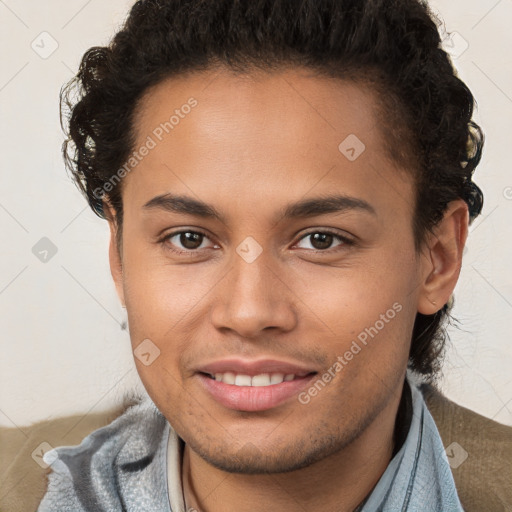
{"x":339,"y":482}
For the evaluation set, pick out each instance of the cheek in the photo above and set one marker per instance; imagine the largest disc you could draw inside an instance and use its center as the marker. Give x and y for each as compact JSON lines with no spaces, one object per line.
{"x":348,"y":300}
{"x":366,"y":313}
{"x":165,"y":305}
{"x":161,"y":294}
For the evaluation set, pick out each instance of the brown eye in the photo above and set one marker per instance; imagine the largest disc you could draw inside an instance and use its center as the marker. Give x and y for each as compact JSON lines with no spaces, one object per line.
{"x":190,"y":239}
{"x":323,"y":240}
{"x":185,"y":241}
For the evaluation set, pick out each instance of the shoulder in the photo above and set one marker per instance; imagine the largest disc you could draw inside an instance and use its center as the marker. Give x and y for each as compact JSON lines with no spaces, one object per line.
{"x":479,"y":451}
{"x":23,"y":471}
{"x":109,"y":463}
{"x":25,"y":475}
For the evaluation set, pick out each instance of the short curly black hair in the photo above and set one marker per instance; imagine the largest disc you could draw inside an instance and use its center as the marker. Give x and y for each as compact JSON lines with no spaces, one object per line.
{"x":392,"y":45}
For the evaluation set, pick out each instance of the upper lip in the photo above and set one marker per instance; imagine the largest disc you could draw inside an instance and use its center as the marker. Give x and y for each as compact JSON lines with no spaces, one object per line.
{"x":254,"y":367}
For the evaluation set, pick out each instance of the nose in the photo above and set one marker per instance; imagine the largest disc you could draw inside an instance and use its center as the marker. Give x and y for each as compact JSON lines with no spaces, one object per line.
{"x":254,"y":296}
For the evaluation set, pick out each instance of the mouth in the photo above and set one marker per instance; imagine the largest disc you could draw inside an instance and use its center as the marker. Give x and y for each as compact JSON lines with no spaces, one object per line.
{"x":252,"y":393}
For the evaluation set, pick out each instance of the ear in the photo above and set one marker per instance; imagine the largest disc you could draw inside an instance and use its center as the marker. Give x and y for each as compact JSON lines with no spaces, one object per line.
{"x":115,"y":258}
{"x":443,"y":258}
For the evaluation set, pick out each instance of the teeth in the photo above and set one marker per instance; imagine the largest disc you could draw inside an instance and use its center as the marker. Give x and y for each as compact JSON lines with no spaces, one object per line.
{"x":243,"y":380}
{"x":276,"y":378}
{"x":263,"y":379}
{"x":227,"y":378}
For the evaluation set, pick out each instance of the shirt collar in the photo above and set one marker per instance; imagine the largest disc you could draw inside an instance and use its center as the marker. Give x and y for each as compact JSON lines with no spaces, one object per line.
{"x":419,"y":475}
{"x":175,"y":447}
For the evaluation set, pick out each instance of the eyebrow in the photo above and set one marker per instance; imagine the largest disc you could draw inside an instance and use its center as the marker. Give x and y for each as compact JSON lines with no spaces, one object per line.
{"x":301,"y":209}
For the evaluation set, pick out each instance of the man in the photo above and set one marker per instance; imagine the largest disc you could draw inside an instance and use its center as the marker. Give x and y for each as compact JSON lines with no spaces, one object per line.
{"x":288,"y":188}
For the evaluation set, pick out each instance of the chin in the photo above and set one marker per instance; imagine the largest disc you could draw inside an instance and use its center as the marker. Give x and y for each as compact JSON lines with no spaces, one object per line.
{"x":251,"y":460}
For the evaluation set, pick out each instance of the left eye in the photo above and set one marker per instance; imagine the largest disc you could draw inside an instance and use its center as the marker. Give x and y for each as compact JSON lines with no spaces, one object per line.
{"x":322,"y":240}
{"x":190,"y":240}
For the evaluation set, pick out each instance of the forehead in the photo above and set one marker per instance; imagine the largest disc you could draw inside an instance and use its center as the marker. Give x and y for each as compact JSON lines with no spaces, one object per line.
{"x":261,"y":101}
{"x":258,"y":135}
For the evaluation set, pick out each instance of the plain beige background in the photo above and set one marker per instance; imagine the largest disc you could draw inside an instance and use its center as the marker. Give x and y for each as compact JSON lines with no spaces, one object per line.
{"x":64,"y":346}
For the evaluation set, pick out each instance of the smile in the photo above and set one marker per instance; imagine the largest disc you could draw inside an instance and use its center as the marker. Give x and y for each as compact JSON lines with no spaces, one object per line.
{"x":260,"y":392}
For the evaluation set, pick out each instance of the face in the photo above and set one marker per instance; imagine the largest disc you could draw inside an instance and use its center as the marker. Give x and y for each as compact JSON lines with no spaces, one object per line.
{"x":254,"y":272}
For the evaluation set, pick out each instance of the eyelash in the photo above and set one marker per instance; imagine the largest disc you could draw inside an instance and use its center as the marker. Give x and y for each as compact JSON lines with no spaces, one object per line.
{"x":192,"y":252}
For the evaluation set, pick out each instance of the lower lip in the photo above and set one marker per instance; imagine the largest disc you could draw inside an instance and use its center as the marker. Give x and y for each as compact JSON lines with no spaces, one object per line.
{"x":253,"y":398}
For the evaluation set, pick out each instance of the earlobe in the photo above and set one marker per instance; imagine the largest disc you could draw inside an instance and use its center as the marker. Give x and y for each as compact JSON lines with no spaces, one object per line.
{"x":115,"y":259}
{"x":444,"y":258}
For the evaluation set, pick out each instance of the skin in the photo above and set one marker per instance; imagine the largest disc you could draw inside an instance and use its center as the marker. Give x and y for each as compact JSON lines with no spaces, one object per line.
{"x":253,"y":144}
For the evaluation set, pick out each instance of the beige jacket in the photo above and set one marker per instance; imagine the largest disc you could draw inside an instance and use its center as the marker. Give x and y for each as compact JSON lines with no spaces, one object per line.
{"x":483,"y":480}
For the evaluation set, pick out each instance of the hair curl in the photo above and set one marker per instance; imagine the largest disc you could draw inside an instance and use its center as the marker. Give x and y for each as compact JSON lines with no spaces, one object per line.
{"x":393,"y":45}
